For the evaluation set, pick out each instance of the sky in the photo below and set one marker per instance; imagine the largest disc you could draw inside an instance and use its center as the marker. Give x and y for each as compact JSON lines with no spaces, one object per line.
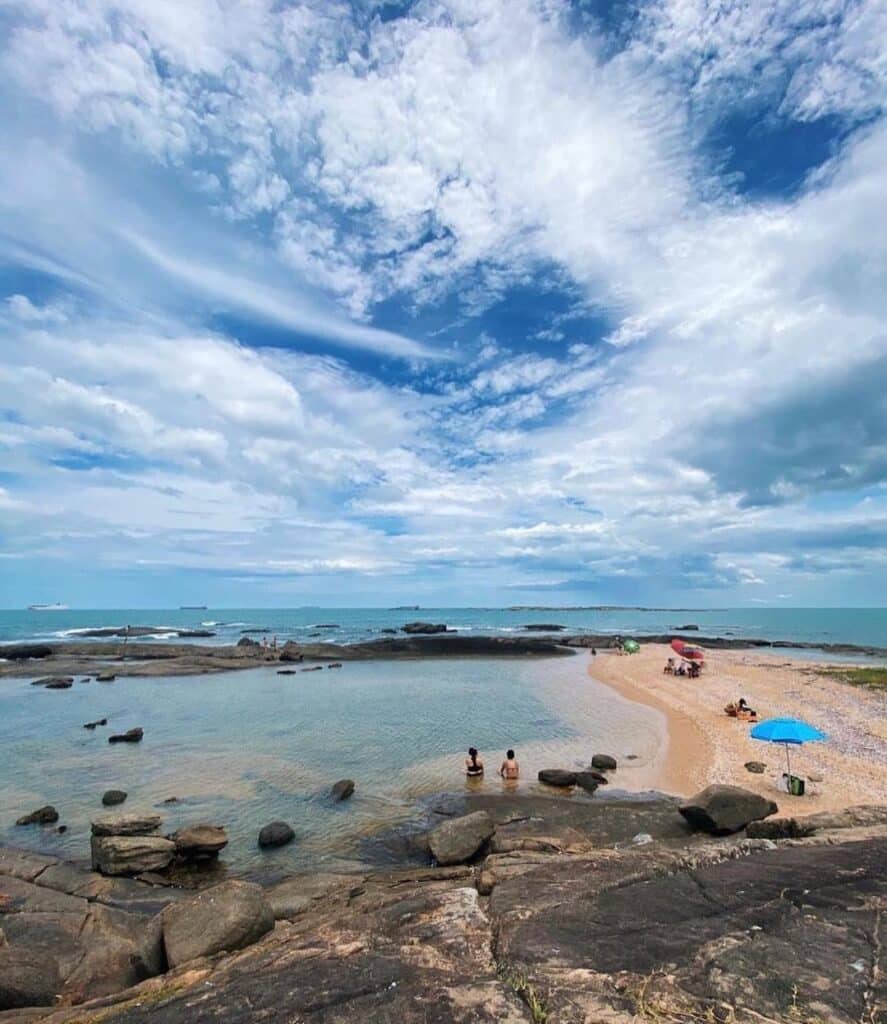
{"x":454,"y":302}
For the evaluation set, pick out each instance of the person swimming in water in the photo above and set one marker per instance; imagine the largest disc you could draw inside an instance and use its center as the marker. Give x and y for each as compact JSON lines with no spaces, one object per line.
{"x":509,"y":769}
{"x":474,"y":767}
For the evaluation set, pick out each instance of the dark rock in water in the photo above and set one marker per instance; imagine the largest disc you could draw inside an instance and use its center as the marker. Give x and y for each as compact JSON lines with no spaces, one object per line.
{"x":721,"y":810}
{"x":229,"y":916}
{"x":343,"y":789}
{"x":755,"y":767}
{"x":557,"y":777}
{"x":54,"y":682}
{"x":631,"y":757}
{"x":314,"y":668}
{"x":112,"y":797}
{"x":286,"y":671}
{"x":780,"y":828}
{"x":47,"y":815}
{"x":335,"y":664}
{"x":604,"y":763}
{"x":246,"y":642}
{"x":28,"y":977}
{"x":277,"y":833}
{"x":243,"y":632}
{"x":62,"y":829}
{"x":459,"y":839}
{"x":86,"y":679}
{"x":291,"y":652}
{"x":424,"y":628}
{"x":588,"y":781}
{"x":538,"y":626}
{"x":130,"y":854}
{"x":130,"y":736}
{"x":692,"y":627}
{"x":21,"y":652}
{"x":171,"y":800}
{"x":98,"y":721}
{"x":200,"y":842}
{"x":126,"y":825}
{"x":327,"y":625}
{"x":105,"y":677}
{"x":391,"y":632}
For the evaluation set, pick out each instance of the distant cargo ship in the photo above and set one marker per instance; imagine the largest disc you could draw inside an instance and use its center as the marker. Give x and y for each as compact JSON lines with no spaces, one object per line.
{"x":47,"y":607}
{"x":192,"y":607}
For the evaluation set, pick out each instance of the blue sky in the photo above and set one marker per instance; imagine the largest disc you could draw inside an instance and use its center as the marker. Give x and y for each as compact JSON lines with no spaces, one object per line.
{"x":488,"y":302}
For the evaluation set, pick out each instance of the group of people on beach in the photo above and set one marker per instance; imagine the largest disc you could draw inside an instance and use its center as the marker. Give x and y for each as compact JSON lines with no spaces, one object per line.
{"x":691,"y":669}
{"x":474,"y":766}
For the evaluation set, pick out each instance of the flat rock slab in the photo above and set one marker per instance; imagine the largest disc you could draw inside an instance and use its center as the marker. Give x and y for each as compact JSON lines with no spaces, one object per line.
{"x":131,"y":855}
{"x":126,"y":825}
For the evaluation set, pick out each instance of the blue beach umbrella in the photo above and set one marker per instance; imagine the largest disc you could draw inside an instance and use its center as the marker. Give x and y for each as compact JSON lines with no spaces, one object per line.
{"x":790,"y":731}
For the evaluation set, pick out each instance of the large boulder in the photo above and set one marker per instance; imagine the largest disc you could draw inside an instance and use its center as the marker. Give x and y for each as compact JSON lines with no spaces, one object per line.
{"x":126,"y":825}
{"x":21,"y":652}
{"x":113,"y":797}
{"x":47,"y":815}
{"x":604,"y":763}
{"x":721,"y":810}
{"x":28,"y":977}
{"x":291,"y":652}
{"x":131,"y":855}
{"x":557,"y":777}
{"x":200,"y":842}
{"x":342,"y":789}
{"x":589,"y":781}
{"x":226,"y":917}
{"x":276,"y":833}
{"x":56,"y":682}
{"x":459,"y":839}
{"x":247,"y":642}
{"x":424,"y":627}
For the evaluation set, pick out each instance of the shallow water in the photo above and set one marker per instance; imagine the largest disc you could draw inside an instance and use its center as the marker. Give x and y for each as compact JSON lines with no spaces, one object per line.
{"x":241,"y":749}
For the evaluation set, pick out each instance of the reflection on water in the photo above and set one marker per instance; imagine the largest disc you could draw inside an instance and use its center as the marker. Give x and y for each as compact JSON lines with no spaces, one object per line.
{"x":244,"y":748}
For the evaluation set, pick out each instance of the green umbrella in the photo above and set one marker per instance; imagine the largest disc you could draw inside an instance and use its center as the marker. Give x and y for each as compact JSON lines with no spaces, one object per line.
{"x":631,"y":647}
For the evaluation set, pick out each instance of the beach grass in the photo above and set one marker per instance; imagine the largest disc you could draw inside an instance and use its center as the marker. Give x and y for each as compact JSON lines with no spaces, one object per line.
{"x":874,"y":678}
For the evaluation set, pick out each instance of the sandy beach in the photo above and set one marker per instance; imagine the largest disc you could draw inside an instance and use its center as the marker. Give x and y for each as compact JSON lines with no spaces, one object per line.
{"x":707,"y":746}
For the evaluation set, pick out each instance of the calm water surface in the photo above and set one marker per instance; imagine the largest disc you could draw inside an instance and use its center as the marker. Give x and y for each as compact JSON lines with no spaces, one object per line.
{"x":241,"y":749}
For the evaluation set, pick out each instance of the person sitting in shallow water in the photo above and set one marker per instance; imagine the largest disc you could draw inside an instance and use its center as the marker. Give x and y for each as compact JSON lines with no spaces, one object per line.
{"x":474,"y":767}
{"x":509,"y":769}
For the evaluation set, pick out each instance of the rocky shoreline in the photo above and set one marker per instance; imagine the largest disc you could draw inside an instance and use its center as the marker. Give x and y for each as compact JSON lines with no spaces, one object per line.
{"x":134,"y":658}
{"x":557,"y":910}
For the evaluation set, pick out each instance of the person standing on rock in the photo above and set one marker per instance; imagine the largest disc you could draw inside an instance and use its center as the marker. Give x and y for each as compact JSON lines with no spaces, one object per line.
{"x":510,"y":769}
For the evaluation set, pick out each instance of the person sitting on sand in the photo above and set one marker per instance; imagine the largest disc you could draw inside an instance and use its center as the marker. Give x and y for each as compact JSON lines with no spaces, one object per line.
{"x":509,"y":769}
{"x":474,"y":767}
{"x":744,"y":712}
{"x":669,"y":667}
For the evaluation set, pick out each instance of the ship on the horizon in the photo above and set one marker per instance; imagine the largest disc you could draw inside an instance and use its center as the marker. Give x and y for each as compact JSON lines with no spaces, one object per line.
{"x":47,"y":607}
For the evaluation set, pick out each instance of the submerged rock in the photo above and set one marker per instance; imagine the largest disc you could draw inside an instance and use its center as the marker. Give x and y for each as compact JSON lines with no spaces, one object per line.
{"x":47,"y":815}
{"x":112,"y":797}
{"x":414,"y":628}
{"x":229,"y":916}
{"x":721,"y":810}
{"x":54,"y":682}
{"x":459,"y":839}
{"x":588,"y":781}
{"x":130,"y":736}
{"x":92,"y":725}
{"x":105,"y":677}
{"x":276,"y":833}
{"x":557,"y":777}
{"x":342,"y":789}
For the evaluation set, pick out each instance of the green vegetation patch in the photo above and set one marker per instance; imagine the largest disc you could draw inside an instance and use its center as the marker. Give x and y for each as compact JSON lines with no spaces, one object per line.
{"x":874,"y":678}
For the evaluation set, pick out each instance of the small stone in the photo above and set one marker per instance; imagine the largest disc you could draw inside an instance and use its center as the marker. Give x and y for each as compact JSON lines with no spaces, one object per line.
{"x":112,"y":797}
{"x":642,"y":839}
{"x":47,"y":815}
{"x":755,"y":767}
{"x":276,"y":833}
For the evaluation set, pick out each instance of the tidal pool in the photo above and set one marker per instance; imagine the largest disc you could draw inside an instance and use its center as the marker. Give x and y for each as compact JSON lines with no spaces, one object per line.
{"x":244,"y":748}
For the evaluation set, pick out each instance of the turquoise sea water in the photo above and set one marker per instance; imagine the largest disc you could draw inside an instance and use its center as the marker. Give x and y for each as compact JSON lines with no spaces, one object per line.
{"x":866,"y":626}
{"x":242,"y":749}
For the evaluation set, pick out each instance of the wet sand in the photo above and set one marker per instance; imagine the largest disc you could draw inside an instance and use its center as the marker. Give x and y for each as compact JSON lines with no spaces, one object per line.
{"x":706,"y":746}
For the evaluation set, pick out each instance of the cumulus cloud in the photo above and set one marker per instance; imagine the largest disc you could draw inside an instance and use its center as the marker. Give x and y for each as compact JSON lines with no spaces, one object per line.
{"x":314,"y":168}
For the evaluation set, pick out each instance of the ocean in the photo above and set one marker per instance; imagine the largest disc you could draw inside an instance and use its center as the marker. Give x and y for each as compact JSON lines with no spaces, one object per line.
{"x":862,"y":626}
